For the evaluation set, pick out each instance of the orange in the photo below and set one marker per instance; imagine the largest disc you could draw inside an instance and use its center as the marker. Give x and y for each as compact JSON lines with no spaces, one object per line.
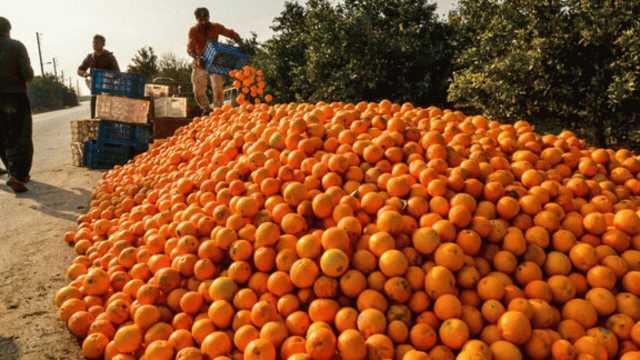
{"x":216,"y":344}
{"x":93,"y":346}
{"x":382,"y":230}
{"x":514,"y":327}
{"x":128,"y":338}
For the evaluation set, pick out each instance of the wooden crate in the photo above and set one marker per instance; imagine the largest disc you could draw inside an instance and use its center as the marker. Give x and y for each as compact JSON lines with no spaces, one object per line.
{"x":230,"y":95}
{"x":122,"y":109}
{"x":166,"y":127}
{"x":157,"y":90}
{"x":170,"y":107}
{"x":84,"y":130}
{"x":77,"y":154}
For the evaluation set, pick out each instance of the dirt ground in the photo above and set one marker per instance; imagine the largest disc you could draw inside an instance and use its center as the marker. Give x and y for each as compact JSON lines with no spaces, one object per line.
{"x":33,"y":255}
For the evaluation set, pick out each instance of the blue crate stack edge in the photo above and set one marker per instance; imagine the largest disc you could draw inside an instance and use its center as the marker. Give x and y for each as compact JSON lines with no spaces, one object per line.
{"x":116,"y":142}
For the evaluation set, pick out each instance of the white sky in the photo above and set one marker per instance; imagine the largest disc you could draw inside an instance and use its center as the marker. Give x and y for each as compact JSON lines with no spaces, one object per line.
{"x":69,"y":25}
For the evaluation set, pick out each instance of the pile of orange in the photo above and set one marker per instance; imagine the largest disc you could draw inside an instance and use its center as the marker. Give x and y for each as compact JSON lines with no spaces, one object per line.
{"x":250,"y":82}
{"x":360,"y":231}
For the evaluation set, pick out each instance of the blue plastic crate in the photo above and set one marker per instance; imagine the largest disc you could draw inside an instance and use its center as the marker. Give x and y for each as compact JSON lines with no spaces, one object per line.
{"x":133,"y":135}
{"x":222,"y":58}
{"x":105,"y":156}
{"x":117,"y":83}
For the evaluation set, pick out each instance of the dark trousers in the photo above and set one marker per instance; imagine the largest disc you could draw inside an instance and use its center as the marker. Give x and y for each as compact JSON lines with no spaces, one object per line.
{"x":93,"y":106}
{"x":16,"y":145}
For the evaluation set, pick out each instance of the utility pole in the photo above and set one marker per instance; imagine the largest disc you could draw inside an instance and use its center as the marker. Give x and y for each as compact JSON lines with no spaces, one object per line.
{"x":55,"y":68}
{"x":40,"y":54}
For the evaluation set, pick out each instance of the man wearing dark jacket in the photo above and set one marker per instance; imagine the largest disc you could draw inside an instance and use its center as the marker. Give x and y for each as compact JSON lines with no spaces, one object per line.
{"x":16,"y":145}
{"x":99,"y":59}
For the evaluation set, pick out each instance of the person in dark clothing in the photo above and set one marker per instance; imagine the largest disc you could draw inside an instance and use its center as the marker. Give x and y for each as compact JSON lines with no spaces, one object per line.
{"x":100,"y":59}
{"x":16,"y":144}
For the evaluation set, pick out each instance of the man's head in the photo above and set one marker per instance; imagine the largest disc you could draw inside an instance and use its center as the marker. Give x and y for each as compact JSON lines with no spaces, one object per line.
{"x":98,"y":43}
{"x":202,"y":16}
{"x":5,"y":27}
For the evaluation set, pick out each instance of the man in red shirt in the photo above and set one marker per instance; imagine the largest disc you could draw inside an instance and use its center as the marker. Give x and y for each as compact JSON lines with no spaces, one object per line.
{"x":203,"y":32}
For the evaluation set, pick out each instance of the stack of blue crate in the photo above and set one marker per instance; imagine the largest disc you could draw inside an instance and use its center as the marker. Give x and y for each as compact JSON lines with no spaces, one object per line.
{"x":117,"y":142}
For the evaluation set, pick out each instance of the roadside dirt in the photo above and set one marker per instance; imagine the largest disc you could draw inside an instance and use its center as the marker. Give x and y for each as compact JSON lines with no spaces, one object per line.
{"x":33,"y":259}
{"x":33,"y":255}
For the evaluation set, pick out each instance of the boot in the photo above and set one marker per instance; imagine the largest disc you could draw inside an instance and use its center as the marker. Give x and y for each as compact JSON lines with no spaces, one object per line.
{"x":16,"y":185}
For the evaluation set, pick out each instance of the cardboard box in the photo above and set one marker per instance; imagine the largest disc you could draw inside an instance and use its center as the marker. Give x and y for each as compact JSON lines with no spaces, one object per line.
{"x":122,"y":109}
{"x":170,"y":107}
{"x":156,"y":90}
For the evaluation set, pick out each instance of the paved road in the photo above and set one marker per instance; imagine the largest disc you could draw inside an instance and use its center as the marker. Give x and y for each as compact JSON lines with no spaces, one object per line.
{"x":33,"y":255}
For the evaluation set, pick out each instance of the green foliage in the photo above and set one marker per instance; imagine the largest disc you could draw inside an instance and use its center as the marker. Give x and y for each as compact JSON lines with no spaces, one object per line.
{"x":283,"y":57}
{"x":178,"y":70}
{"x":49,"y":93}
{"x":560,"y":63}
{"x":145,"y":62}
{"x":357,"y":50}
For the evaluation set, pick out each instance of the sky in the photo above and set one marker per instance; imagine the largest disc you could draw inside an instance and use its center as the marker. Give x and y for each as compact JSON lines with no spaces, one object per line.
{"x":67,"y":26}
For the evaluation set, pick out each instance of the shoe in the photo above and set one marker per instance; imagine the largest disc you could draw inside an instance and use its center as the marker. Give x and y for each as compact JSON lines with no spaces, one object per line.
{"x":16,"y":185}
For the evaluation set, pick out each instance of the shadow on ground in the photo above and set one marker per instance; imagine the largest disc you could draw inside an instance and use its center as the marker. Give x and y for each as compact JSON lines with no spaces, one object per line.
{"x":54,"y":201}
{"x":9,"y":349}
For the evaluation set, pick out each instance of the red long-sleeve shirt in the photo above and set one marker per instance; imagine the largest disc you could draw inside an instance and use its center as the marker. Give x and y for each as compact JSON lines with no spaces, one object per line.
{"x":199,"y":36}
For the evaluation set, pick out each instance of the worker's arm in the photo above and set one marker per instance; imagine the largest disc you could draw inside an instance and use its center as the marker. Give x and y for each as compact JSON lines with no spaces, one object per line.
{"x":191,"y":44}
{"x":86,"y":64}
{"x":114,"y":63}
{"x":231,"y":34}
{"x":24,"y":64}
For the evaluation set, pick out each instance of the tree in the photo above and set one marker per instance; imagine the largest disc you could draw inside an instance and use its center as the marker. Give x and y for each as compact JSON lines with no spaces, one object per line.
{"x":145,"y":62}
{"x":558,"y":63}
{"x":358,"y":50}
{"x":175,"y":68}
{"x":282,"y":58}
{"x":49,"y":93}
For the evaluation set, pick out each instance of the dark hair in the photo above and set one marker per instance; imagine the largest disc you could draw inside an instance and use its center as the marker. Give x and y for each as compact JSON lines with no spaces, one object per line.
{"x":99,"y":37}
{"x":201,"y":12}
{"x":5,"y":26}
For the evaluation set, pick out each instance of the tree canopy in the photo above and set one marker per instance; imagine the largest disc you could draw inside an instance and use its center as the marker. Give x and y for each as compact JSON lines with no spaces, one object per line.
{"x":358,"y":50}
{"x":144,"y":62}
{"x":560,"y":63}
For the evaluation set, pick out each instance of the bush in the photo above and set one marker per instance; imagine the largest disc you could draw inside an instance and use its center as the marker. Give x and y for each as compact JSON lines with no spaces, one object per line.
{"x":357,"y":50}
{"x":561,"y":64}
{"x":49,"y":93}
